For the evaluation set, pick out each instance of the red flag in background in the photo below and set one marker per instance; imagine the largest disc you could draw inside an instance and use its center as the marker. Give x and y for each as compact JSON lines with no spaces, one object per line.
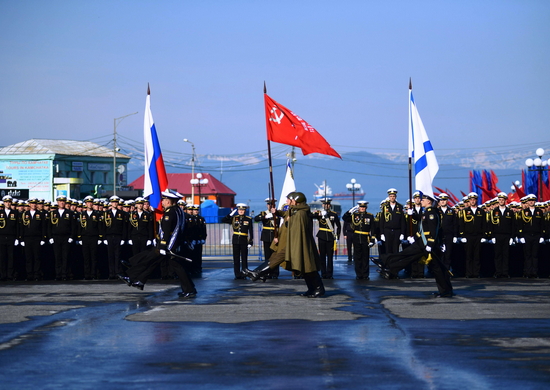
{"x":494,"y":181}
{"x":285,"y":127}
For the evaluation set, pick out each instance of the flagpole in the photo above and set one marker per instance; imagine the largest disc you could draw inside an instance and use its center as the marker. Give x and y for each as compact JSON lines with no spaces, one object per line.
{"x":272,"y":188}
{"x":410,"y":160}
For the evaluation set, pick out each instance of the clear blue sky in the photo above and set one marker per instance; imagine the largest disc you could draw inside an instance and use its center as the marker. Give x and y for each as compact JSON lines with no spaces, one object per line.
{"x":480,"y":71}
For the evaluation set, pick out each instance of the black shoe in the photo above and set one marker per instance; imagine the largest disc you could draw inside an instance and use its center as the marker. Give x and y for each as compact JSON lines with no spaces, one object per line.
{"x":138,"y":285}
{"x":378,"y":263}
{"x":188,"y":295}
{"x":444,"y":295}
{"x":125,"y":279}
{"x":307,"y":293}
{"x":317,"y":293}
{"x":385,"y":273}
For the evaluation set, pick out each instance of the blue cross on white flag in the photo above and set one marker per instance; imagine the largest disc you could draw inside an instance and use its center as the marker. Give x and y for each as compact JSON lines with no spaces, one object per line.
{"x":421,"y":151}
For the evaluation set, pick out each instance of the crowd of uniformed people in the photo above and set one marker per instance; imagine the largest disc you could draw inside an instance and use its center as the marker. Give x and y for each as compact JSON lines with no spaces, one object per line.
{"x":85,"y":239}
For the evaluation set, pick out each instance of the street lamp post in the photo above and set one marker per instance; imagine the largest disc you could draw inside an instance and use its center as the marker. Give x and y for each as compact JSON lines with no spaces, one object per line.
{"x":353,"y":187}
{"x":199,"y":181}
{"x":192,"y":169}
{"x":539,"y":165}
{"x":115,"y":149}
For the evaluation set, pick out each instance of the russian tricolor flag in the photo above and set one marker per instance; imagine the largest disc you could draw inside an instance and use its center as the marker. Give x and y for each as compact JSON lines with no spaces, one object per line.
{"x":155,"y":174}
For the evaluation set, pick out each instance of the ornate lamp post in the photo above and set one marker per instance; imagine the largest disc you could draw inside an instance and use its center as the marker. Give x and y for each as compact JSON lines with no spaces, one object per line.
{"x":115,"y":149}
{"x":192,"y":168}
{"x":539,"y":165}
{"x":353,"y":187}
{"x":199,"y":181}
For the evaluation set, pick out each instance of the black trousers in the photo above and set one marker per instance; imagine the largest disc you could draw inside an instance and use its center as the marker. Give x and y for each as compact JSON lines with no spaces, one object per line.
{"x":61,"y":250}
{"x":361,"y":255}
{"x":473,"y":254}
{"x":7,"y":249}
{"x":392,"y":240}
{"x":502,"y":254}
{"x":531,"y":254}
{"x":326,"y":254}
{"x":33,"y":257}
{"x":144,"y":263}
{"x":113,"y":254}
{"x":240,"y":256}
{"x":267,"y":254}
{"x":89,"y":255}
{"x":139,"y":244}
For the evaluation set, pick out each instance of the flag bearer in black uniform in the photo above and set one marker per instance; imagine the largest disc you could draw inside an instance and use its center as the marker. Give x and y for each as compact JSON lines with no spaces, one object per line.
{"x":61,"y":233}
{"x":530,"y":233}
{"x":425,"y":247}
{"x":362,"y":223}
{"x":327,"y":237}
{"x":115,"y":234}
{"x":267,"y":219}
{"x":348,"y":237}
{"x":472,"y":228}
{"x":34,"y":232}
{"x":243,"y":238}
{"x":9,"y":239}
{"x":170,"y":234}
{"x":199,"y":236}
{"x":392,"y":223}
{"x":141,"y":228}
{"x":501,"y":231}
{"x":90,"y":235}
{"x":412,"y":220}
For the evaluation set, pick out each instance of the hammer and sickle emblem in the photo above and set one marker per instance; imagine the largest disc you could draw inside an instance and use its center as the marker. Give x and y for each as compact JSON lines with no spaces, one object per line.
{"x":277,"y":118}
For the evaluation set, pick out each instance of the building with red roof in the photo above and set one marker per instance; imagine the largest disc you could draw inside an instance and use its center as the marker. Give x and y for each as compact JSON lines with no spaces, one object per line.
{"x":213,"y":190}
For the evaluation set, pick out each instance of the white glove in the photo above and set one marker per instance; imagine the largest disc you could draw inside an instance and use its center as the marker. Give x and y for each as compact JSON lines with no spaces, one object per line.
{"x":106,"y":242}
{"x":22,"y":243}
{"x":541,"y":240}
{"x":51,"y":241}
{"x":162,"y":252}
{"x":371,"y":244}
{"x":79,"y":242}
{"x":410,"y":240}
{"x":522,"y":240}
{"x":483,"y":240}
{"x":70,"y":240}
{"x":121,"y":242}
{"x":99,"y":242}
{"x":493,"y":240}
{"x":249,"y":245}
{"x":410,"y":211}
{"x":401,"y":237}
{"x":323,"y":213}
{"x":382,"y":237}
{"x":353,"y":209}
{"x":130,"y":242}
{"x":233,"y":212}
{"x":148,"y":243}
{"x":428,"y":248}
{"x":511,"y":241}
{"x":42,"y":242}
{"x":268,"y":215}
{"x":464,"y":240}
{"x":154,"y":242}
{"x":443,"y":248}
{"x":16,"y":242}
{"x":455,"y":240}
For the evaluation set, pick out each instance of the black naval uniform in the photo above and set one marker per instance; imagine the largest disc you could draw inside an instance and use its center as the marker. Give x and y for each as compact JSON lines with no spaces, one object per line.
{"x":243,"y":235}
{"x":326,"y":239}
{"x":115,"y":232}
{"x":472,"y":226}
{"x":171,"y":227}
{"x":62,"y":229}
{"x":362,"y":224}
{"x":9,"y":232}
{"x":416,"y":268}
{"x":501,"y":227}
{"x":141,"y":229}
{"x":392,"y":226}
{"x":449,"y":231}
{"x":348,"y":235}
{"x":530,"y":226}
{"x":267,"y":237}
{"x":34,"y":231}
{"x":90,"y":233}
{"x":198,"y":236}
{"x":429,"y":235}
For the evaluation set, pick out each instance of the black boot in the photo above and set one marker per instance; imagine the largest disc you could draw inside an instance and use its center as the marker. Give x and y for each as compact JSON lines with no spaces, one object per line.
{"x":259,"y":272}
{"x":315,"y":285}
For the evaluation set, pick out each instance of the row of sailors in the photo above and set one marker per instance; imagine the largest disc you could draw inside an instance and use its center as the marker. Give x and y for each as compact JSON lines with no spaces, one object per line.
{"x":94,"y":224}
{"x":497,"y":223}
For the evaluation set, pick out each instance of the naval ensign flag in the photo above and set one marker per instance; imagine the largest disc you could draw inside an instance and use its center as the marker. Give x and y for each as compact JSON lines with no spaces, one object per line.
{"x":155,"y":180}
{"x":421,"y":151}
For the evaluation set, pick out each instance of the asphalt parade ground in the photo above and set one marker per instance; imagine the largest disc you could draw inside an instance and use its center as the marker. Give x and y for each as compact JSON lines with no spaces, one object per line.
{"x":238,"y":334}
